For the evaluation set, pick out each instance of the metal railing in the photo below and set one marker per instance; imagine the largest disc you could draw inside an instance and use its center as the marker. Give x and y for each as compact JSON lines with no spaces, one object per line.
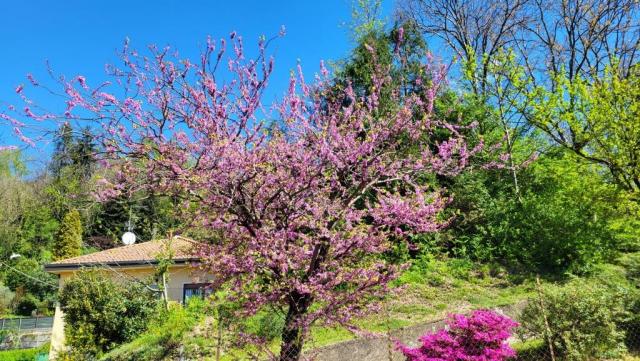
{"x":26,"y":323}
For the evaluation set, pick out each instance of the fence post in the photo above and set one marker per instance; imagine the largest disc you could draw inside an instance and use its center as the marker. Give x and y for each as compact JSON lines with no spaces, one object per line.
{"x":20,"y":323}
{"x":2,"y":324}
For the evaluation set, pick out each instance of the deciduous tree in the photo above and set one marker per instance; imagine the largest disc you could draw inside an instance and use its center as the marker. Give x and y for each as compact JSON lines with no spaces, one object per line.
{"x":303,"y":195}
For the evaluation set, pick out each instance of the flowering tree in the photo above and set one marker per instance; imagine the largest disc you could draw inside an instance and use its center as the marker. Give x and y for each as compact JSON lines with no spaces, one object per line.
{"x":480,"y":337}
{"x":304,"y":195}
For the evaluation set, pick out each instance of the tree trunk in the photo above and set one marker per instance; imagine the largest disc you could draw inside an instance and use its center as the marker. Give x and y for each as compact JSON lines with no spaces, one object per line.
{"x":293,"y":333}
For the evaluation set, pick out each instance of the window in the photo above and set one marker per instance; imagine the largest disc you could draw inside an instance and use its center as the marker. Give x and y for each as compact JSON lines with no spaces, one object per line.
{"x":194,"y":290}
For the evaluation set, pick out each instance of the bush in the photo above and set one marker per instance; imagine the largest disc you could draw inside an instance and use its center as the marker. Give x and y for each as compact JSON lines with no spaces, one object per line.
{"x":116,"y":314}
{"x":563,"y":222}
{"x":6,"y":298}
{"x":631,"y":265}
{"x":24,"y":306}
{"x":267,"y":325}
{"x":480,"y":337}
{"x":165,"y":335}
{"x":31,"y":278}
{"x":583,"y":320}
{"x":10,"y":338}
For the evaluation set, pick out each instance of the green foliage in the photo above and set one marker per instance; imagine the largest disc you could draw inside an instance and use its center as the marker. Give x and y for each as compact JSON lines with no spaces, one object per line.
{"x":583,"y":320}
{"x":567,"y":218}
{"x":27,"y":275}
{"x":101,"y":314}
{"x":69,"y":238}
{"x":596,"y":119}
{"x":11,"y":164}
{"x":6,"y":298}
{"x":30,"y":354}
{"x":73,"y":152}
{"x":151,"y":217}
{"x":25,"y":305}
{"x":71,"y":167}
{"x":167,"y":331}
{"x":365,"y":17}
{"x":10,"y":337}
{"x":27,"y":224}
{"x":533,"y":349}
{"x":266,"y":324}
{"x":374,"y":50}
{"x":631,"y":265}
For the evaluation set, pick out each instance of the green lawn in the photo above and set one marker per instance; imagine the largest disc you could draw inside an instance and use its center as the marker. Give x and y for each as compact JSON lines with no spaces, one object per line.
{"x":31,"y":354}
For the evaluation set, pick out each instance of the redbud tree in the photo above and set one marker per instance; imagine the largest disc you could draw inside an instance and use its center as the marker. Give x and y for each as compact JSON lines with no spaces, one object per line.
{"x":304,"y":195}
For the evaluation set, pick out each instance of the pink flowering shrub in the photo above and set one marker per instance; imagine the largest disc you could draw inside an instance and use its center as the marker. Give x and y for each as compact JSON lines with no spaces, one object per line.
{"x":480,"y":337}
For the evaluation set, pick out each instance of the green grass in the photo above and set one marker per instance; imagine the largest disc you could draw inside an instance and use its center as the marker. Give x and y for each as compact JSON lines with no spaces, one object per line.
{"x":30,"y":354}
{"x":532,"y":350}
{"x":431,"y":289}
{"x":165,"y":336}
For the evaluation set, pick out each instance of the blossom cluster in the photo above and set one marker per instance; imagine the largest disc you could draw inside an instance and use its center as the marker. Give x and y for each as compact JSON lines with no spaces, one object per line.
{"x":482,"y":336}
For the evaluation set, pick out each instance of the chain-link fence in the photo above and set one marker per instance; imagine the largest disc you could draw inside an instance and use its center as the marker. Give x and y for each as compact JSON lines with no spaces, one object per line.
{"x":26,"y":323}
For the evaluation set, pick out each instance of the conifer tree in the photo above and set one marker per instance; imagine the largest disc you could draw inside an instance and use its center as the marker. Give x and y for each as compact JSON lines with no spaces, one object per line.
{"x":69,"y":238}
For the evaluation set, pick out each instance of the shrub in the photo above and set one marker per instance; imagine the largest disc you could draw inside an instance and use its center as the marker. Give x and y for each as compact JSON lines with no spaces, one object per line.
{"x":6,"y":298}
{"x":582,"y":319}
{"x":631,"y":265}
{"x":10,"y":338}
{"x":479,"y":337}
{"x":166,"y":333}
{"x":267,"y":325}
{"x":116,"y":314}
{"x":24,"y":306}
{"x":564,"y":220}
{"x":30,"y":277}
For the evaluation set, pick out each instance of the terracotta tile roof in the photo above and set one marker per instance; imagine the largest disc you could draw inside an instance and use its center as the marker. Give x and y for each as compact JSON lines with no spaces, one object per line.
{"x":135,"y":254}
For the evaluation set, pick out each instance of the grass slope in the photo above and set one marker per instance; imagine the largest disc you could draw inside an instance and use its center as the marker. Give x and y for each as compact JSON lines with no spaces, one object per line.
{"x":431,"y":289}
{"x":31,"y":354}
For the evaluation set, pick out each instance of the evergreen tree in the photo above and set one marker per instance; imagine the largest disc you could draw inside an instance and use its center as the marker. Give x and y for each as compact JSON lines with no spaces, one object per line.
{"x":62,"y":155}
{"x":69,"y":238}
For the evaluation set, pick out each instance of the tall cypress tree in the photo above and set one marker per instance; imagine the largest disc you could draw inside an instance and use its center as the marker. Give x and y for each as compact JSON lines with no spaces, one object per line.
{"x":69,"y":239}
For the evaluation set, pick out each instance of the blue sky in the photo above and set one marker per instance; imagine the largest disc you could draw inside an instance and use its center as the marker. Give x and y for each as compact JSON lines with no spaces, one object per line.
{"x":80,"y":37}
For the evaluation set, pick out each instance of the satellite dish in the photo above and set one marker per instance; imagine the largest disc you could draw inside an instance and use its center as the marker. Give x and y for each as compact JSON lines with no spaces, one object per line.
{"x":128,"y":238}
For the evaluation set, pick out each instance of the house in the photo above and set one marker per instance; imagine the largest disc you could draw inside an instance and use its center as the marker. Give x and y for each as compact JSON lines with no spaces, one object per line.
{"x":135,"y":263}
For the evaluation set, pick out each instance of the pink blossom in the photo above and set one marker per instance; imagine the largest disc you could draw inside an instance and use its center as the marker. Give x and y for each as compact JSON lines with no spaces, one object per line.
{"x":82,"y":81}
{"x":32,"y":80}
{"x":482,"y":336}
{"x":108,"y":97}
{"x":304,"y":197}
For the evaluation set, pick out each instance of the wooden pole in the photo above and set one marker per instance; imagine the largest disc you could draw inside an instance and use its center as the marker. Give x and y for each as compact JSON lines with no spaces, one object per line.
{"x":544,"y":317}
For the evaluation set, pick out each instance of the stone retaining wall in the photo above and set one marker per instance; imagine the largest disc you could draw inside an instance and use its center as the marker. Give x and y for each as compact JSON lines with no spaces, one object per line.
{"x":382,"y":348}
{"x":28,"y":339}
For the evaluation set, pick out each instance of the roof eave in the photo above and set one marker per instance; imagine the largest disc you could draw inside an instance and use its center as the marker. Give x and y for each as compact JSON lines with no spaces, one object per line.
{"x":57,"y":267}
